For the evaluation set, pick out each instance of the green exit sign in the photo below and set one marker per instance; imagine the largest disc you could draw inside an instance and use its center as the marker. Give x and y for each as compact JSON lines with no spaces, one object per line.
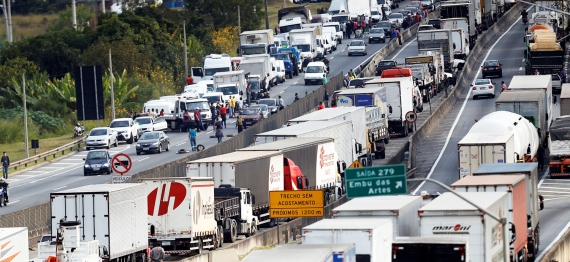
{"x":376,"y":181}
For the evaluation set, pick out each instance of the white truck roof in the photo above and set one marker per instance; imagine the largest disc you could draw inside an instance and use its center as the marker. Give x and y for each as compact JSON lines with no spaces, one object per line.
{"x":288,"y":144}
{"x":302,"y":128}
{"x":99,"y":188}
{"x":506,"y":168}
{"x":450,"y":202}
{"x":430,"y":240}
{"x":520,"y":96}
{"x":10,"y":231}
{"x":327,"y":113}
{"x":388,"y":80}
{"x":348,"y":223}
{"x":379,"y":203}
{"x":229,"y":73}
{"x":530,"y":81}
{"x":236,"y":157}
{"x":478,"y":138}
{"x":286,"y":255}
{"x":490,"y":180}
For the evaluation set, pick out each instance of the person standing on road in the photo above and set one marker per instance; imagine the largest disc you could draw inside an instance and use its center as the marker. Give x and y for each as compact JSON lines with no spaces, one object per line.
{"x":192,"y":136}
{"x":5,"y":164}
{"x":281,"y":103}
{"x":219,"y":126}
{"x":223,"y":113}
{"x":239,"y":124}
{"x":233,"y":106}
{"x":562,"y":75}
{"x":343,"y":29}
{"x":198,"y":120}
{"x":504,"y":86}
{"x":348,"y":29}
{"x":326,"y":98}
{"x":296,"y":97}
{"x":399,"y":36}
{"x":540,"y":154}
{"x":321,"y":106}
{"x":445,"y":85}
{"x":157,"y":253}
{"x":185,"y":121}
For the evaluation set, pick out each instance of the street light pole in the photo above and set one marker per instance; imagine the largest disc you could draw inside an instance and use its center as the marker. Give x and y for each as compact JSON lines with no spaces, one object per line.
{"x":25,"y":115}
{"x":73,"y":14}
{"x":266,"y":16}
{"x":185,"y":53}
{"x":239,"y":32}
{"x":9,"y":22}
{"x":111,"y":82}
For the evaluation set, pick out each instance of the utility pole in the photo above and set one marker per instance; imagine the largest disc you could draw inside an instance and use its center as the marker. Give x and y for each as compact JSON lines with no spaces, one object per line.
{"x":9,"y":22}
{"x":266,"y":16}
{"x":103,"y":6}
{"x":239,"y":32}
{"x":185,"y":53}
{"x":25,"y":116}
{"x":5,"y":19}
{"x":284,"y":3}
{"x":73,"y":14}
{"x":111,"y":82}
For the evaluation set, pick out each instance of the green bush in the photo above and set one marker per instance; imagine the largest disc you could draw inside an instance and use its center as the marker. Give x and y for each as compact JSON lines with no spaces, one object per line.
{"x":43,"y":121}
{"x":13,"y":130}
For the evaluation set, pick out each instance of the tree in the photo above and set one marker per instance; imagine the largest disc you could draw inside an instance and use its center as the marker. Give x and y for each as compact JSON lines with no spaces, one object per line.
{"x":64,"y":21}
{"x":126,"y":55}
{"x":223,"y":13}
{"x":226,"y":40}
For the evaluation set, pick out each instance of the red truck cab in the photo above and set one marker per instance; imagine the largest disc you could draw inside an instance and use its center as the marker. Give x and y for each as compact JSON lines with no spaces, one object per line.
{"x":294,"y":179}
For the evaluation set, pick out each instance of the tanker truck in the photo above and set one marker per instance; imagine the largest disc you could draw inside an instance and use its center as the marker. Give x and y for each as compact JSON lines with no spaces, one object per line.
{"x":499,"y":137}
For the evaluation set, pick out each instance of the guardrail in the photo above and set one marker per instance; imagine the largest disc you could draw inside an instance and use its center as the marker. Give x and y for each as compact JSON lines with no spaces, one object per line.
{"x":45,"y":155}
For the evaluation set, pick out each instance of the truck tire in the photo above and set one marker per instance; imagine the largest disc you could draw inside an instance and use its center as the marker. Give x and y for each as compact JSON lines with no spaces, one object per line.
{"x":377,"y":155}
{"x":253,"y":229}
{"x":220,"y":236}
{"x":231,"y":236}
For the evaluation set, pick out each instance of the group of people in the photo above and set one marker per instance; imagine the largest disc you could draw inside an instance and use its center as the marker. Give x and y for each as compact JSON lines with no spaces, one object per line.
{"x":361,"y":22}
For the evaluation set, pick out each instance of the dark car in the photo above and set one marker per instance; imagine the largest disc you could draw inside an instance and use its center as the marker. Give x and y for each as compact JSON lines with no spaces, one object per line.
{"x":426,"y":27}
{"x":251,"y":116}
{"x":376,"y":35}
{"x":435,"y":22}
{"x":97,"y":162}
{"x":153,"y":142}
{"x":271,"y":103}
{"x":383,"y":65}
{"x":387,"y":26}
{"x":492,"y":68}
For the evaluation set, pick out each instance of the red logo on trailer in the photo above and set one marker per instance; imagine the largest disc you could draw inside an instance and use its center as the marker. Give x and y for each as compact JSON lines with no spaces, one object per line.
{"x":177,"y":193}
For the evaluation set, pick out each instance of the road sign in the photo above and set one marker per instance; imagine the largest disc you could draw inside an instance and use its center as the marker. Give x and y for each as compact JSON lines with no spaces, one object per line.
{"x":121,"y":163}
{"x":411,"y":117}
{"x":120,"y":179}
{"x":376,"y":181}
{"x":355,"y":164}
{"x":296,"y":203}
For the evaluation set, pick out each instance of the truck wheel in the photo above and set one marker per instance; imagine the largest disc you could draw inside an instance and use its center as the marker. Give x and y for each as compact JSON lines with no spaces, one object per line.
{"x":253,"y":229}
{"x":377,"y":155}
{"x":230,"y":237}
{"x":220,"y":236}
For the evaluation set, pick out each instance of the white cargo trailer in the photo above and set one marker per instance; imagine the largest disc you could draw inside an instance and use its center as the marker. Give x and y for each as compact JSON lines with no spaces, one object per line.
{"x":113,"y":214}
{"x":450,"y":216}
{"x":402,"y":210}
{"x":372,"y":237}
{"x":14,"y":241}
{"x":536,"y":82}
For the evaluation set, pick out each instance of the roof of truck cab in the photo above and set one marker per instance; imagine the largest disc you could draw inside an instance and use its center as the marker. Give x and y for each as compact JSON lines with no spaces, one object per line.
{"x":364,"y":90}
{"x":98,"y":188}
{"x":448,"y":201}
{"x":520,"y":96}
{"x":377,"y":203}
{"x":491,"y":180}
{"x":236,"y":157}
{"x":251,"y":61}
{"x":303,"y":128}
{"x":530,"y":81}
{"x":334,"y":247}
{"x":348,"y":223}
{"x":285,"y":255}
{"x":505,"y":168}
{"x":327,"y":113}
{"x":288,"y":144}
{"x":229,"y":73}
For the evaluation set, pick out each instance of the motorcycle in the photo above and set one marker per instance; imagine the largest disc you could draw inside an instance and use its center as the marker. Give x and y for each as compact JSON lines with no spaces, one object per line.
{"x":525,"y":20}
{"x":78,"y":131}
{"x":3,"y":198}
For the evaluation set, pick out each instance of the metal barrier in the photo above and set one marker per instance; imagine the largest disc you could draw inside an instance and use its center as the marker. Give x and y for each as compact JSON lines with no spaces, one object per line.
{"x":45,"y":155}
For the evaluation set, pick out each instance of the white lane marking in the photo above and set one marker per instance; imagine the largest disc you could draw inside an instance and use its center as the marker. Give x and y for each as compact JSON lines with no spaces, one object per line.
{"x":282,"y":92}
{"x":181,"y":143}
{"x":296,"y":82}
{"x":210,"y":132}
{"x":144,"y":158}
{"x":406,"y":46}
{"x":39,"y":171}
{"x":521,"y":69}
{"x":542,"y":180}
{"x":59,"y":163}
{"x":13,"y":201}
{"x":462,"y":108}
{"x":59,"y":188}
{"x":523,"y":60}
{"x":331,"y":57}
{"x":13,"y":179}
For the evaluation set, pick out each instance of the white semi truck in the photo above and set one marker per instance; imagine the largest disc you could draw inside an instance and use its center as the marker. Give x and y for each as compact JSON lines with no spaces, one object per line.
{"x":306,"y":42}
{"x":269,"y":67}
{"x":442,"y":39}
{"x":255,"y":42}
{"x":211,"y":64}
{"x":231,"y":84}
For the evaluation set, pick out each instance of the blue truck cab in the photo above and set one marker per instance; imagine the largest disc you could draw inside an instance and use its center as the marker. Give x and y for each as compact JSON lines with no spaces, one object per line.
{"x":286,"y":61}
{"x":297,"y":54}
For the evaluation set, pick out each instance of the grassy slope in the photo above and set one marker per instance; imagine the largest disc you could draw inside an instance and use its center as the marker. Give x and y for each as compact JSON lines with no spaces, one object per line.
{"x":27,"y":26}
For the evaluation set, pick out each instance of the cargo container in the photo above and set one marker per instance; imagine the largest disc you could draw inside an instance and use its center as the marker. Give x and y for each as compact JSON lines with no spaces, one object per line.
{"x":255,"y":42}
{"x":559,"y":147}
{"x":442,"y":39}
{"x":432,"y":249}
{"x":260,"y":171}
{"x":529,"y":104}
{"x":402,"y":210}
{"x":372,"y":237}
{"x":315,"y":157}
{"x":515,"y":186}
{"x":534,"y":202}
{"x":450,"y":216}
{"x":565,"y":100}
{"x":341,"y":252}
{"x":14,"y":241}
{"x":285,"y":255}
{"x":341,"y":131}
{"x":536,"y":82}
{"x":499,"y":137}
{"x":113,"y":214}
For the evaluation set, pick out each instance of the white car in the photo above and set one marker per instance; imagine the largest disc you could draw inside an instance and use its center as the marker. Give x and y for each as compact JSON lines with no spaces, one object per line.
{"x":483,"y":87}
{"x":147,"y":124}
{"x":264,"y":109}
{"x":357,"y":47}
{"x":126,"y":129}
{"x":101,"y":137}
{"x":396,"y":17}
{"x":315,"y":73}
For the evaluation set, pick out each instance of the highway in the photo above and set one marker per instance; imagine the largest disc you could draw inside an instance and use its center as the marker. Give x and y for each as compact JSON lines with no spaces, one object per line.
{"x":32,"y":186}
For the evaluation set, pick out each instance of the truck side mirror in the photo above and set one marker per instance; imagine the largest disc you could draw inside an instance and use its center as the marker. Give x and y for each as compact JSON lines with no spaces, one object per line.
{"x":358,"y":148}
{"x":299,"y":182}
{"x":273,"y":69}
{"x":313,"y":50}
{"x":253,"y":199}
{"x":390,"y":109}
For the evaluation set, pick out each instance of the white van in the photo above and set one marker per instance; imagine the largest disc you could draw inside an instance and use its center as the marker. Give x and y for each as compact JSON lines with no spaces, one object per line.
{"x":330,"y":34}
{"x":215,"y":97}
{"x":199,"y":88}
{"x":315,"y":73}
{"x":280,"y":69}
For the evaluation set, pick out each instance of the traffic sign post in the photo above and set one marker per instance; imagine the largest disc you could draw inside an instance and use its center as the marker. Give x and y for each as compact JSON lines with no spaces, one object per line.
{"x":296,"y":203}
{"x":376,"y":181}
{"x":121,"y":163}
{"x":355,"y":164}
{"x":411,"y":117}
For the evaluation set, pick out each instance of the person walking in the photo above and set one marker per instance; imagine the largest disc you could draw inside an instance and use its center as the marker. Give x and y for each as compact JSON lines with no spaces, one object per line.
{"x":161,"y":112}
{"x":5,"y":164}
{"x":399,"y":36}
{"x":157,"y":253}
{"x":343,"y":29}
{"x":192,"y":136}
{"x":223,"y":114}
{"x":213,"y":111}
{"x":296,"y":97}
{"x":348,"y":29}
{"x":540,"y":154}
{"x":198,"y":120}
{"x":239,"y":124}
{"x":232,"y":106}
{"x":219,"y":126}
{"x":185,"y":121}
{"x":504,"y":86}
{"x":326,"y":98}
{"x":562,"y":75}
{"x":281,"y":103}
{"x":189,"y":80}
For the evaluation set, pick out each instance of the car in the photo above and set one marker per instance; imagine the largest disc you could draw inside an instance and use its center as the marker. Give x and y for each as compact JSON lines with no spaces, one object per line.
{"x":492,"y":68}
{"x":376,"y":35}
{"x":383,"y":65}
{"x":556,"y":84}
{"x":251,"y":116}
{"x":155,"y":141}
{"x":417,"y":4}
{"x":315,"y":73}
{"x":126,"y":129}
{"x":426,"y":27}
{"x":147,"y":123}
{"x":45,"y":238}
{"x":101,"y":137}
{"x":386,"y":26}
{"x":413,"y":9}
{"x":483,"y":87}
{"x":264,"y":109}
{"x":427,"y":4}
{"x":358,"y":82}
{"x":357,"y":47}
{"x":97,"y":162}
{"x":405,"y":12}
{"x":271,"y":103}
{"x":396,"y":18}
{"x":435,"y":22}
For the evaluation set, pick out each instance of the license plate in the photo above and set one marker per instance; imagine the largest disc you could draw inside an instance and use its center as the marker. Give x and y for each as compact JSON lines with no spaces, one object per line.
{"x":95,"y":169}
{"x":313,"y":80}
{"x":249,"y":123}
{"x":482,"y":88}
{"x":165,"y":243}
{"x":145,"y":148}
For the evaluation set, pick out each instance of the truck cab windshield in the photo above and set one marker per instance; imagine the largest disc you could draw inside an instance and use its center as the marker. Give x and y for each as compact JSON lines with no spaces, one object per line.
{"x":340,"y":19}
{"x":288,"y":28}
{"x":336,"y":27}
{"x":213,"y":99}
{"x":303,"y":48}
{"x":213,"y":71}
{"x":253,"y":50}
{"x":254,"y":85}
{"x":381,"y":2}
{"x":281,"y":56}
{"x":201,"y":105}
{"x":228,"y":90}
